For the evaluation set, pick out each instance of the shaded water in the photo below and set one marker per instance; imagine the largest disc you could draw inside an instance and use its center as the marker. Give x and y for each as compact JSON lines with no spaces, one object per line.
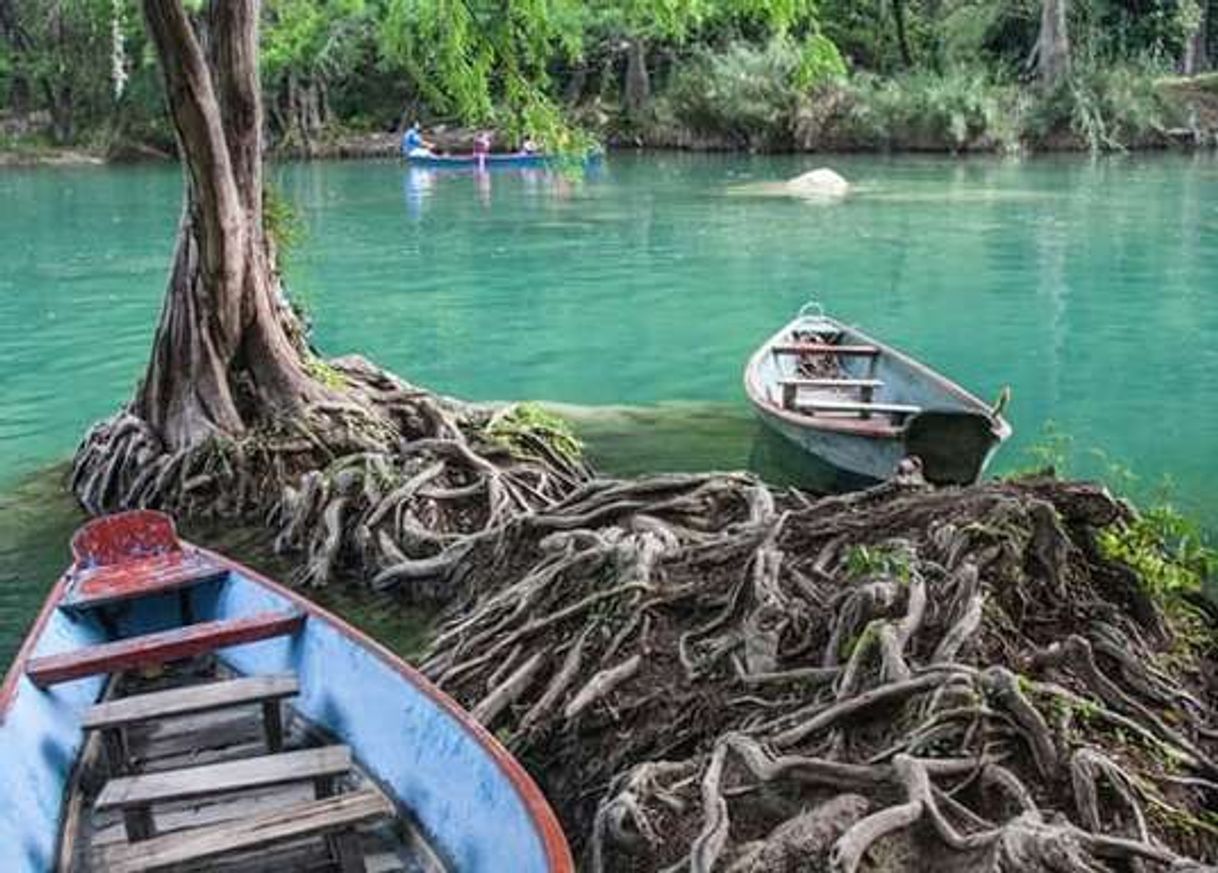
{"x":1089,"y":287}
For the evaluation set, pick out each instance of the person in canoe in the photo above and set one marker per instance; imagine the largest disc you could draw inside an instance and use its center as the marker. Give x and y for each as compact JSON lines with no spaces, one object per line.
{"x":482,"y":147}
{"x":529,"y":146}
{"x":413,"y":144}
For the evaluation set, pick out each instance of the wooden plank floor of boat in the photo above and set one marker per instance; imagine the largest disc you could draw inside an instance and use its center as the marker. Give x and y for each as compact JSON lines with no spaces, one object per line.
{"x":209,"y":738}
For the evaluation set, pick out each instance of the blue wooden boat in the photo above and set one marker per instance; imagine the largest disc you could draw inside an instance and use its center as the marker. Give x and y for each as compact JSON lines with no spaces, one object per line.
{"x":495,"y":160}
{"x":863,"y":406}
{"x":172,"y":708}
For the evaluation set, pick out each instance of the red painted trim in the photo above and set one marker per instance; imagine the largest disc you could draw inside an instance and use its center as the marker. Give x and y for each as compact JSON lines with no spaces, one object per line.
{"x":8,"y":691}
{"x":558,"y":853}
{"x":160,"y":648}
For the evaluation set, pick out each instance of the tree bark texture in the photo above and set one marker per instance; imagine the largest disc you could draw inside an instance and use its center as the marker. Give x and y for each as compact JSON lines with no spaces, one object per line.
{"x":898,"y":14}
{"x":638,"y":83}
{"x":1196,"y":55}
{"x":222,"y":356}
{"x":1053,"y":44}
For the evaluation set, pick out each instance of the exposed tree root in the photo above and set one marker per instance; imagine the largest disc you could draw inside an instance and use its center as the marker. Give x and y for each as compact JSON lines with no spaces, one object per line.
{"x":709,"y":675}
{"x":393,"y":483}
{"x":905,"y":679}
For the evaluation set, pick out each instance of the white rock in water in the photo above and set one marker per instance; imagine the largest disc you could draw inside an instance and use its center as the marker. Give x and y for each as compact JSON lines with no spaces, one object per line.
{"x":821,"y":182}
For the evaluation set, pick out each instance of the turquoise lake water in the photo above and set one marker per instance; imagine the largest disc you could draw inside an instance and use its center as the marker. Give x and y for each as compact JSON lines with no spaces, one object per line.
{"x":636,"y":293}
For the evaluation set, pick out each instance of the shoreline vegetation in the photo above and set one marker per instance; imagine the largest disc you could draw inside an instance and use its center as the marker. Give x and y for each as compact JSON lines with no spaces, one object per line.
{"x":955,"y":114}
{"x":343,"y":78}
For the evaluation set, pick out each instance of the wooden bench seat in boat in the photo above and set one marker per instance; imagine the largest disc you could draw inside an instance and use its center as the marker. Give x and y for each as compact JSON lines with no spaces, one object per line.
{"x":113,"y":716}
{"x":865,"y":409}
{"x":824,"y":349}
{"x":791,"y":386}
{"x":135,"y":795}
{"x":330,"y":815}
{"x":831,"y":383}
{"x":160,"y":648}
{"x":172,"y":571}
{"x":132,"y":554}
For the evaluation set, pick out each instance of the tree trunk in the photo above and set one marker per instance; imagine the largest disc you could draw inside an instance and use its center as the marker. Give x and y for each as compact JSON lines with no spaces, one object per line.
{"x":898,"y":14}
{"x":1196,"y":58}
{"x":638,"y":83}
{"x":224,"y":354}
{"x":574,"y":91}
{"x":1053,"y":43}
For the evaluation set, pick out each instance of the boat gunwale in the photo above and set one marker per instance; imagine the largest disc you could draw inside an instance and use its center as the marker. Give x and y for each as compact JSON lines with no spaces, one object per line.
{"x":554,"y":842}
{"x":867,"y":428}
{"x":12,"y":679}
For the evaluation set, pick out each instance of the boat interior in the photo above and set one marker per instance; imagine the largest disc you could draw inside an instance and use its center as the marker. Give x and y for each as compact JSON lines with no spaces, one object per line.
{"x":822,"y":374}
{"x":189,"y":768}
{"x":822,"y":371}
{"x":186,"y":762}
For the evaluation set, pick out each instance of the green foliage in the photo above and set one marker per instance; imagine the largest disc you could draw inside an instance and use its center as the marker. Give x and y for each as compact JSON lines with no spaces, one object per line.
{"x":281,"y":222}
{"x":959,"y":108}
{"x":756,"y":73}
{"x":744,"y":92}
{"x":1051,"y":451}
{"x":1167,"y":549}
{"x":324,"y":373}
{"x":888,"y":561}
{"x":485,"y":62}
{"x":516,"y":425}
{"x":819,"y":62}
{"x":1108,"y":107}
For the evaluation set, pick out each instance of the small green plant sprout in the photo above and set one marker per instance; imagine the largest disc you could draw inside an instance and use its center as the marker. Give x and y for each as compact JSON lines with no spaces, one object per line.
{"x":324,"y":373}
{"x":282,"y":223}
{"x":890,"y":560}
{"x":1051,"y":451}
{"x":1167,"y":549}
{"x":1118,"y":476}
{"x":520,"y":426}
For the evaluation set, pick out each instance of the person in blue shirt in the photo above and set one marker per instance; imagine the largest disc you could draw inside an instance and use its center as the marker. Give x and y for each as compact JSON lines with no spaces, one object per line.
{"x":413,"y":144}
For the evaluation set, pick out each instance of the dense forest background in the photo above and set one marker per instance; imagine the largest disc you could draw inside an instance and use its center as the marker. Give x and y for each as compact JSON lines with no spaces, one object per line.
{"x":771,"y":75}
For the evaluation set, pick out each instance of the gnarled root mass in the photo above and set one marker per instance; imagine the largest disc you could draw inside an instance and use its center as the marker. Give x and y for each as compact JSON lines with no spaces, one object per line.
{"x":386,"y":481}
{"x":708,"y":675}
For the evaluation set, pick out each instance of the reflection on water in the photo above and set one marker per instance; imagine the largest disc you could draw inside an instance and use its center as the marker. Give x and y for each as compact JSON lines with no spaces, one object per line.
{"x":693,"y":437}
{"x":421,"y":185}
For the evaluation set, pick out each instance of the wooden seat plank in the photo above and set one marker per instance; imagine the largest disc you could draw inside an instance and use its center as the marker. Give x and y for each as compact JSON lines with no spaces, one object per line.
{"x":160,"y":648}
{"x":314,"y":818}
{"x":241,"y":775}
{"x":823,"y":349}
{"x":102,"y":585}
{"x":831,"y":383}
{"x":189,"y":700}
{"x":864,"y":408}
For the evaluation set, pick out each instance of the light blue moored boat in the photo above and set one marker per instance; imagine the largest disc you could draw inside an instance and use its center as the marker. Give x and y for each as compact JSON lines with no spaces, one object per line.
{"x":863,"y":406}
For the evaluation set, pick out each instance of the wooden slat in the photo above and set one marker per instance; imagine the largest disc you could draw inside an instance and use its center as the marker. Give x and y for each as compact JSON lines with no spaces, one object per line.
{"x":190,"y":700}
{"x":846,"y":406}
{"x":832,"y":383}
{"x":140,"y":577}
{"x":160,"y":648}
{"x":241,"y":775}
{"x":823,"y":349}
{"x":306,"y":819}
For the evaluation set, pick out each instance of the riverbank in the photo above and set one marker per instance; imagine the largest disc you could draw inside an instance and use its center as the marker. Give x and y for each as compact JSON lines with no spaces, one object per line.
{"x":955,"y":112}
{"x":946,"y":114}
